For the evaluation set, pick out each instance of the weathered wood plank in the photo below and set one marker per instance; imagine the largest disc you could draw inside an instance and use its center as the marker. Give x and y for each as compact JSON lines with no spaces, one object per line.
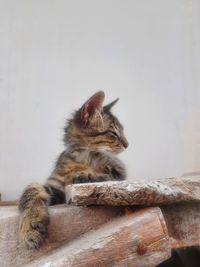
{"x":66,"y":223}
{"x":139,"y":239}
{"x":183,"y":223}
{"x":155,"y":192}
{"x":9,"y":203}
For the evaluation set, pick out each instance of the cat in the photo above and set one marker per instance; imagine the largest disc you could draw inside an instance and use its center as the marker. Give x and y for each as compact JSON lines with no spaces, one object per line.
{"x":93,"y":137}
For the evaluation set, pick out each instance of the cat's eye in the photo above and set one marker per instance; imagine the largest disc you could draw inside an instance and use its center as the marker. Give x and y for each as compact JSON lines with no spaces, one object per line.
{"x":112,"y":133}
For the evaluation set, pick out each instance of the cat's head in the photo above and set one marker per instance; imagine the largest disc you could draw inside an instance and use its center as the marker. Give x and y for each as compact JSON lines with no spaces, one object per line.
{"x":95,"y":127}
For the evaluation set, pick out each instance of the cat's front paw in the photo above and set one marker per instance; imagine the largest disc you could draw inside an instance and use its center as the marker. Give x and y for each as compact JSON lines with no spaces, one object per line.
{"x":115,"y":174}
{"x":34,"y":227}
{"x":83,"y":178}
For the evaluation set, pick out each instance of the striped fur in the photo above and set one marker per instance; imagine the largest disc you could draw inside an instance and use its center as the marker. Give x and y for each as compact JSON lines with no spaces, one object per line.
{"x":93,"y":138}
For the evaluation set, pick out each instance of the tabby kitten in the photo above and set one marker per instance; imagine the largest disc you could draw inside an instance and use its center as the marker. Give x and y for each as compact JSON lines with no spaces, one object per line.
{"x":92,"y":137}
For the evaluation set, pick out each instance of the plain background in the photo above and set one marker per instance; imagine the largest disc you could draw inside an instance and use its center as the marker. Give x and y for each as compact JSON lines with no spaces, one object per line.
{"x":55,"y":54}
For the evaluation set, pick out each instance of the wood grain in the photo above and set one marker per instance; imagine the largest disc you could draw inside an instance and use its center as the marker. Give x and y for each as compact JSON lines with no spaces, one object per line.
{"x":139,"y":239}
{"x":9,"y":203}
{"x":155,"y":192}
{"x":66,"y":224}
{"x":183,"y":223}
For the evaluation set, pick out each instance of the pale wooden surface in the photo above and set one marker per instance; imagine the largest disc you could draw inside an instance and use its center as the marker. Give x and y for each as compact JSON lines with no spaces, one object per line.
{"x":139,"y":239}
{"x":8,"y":203}
{"x":183,"y":223}
{"x":154,"y":192}
{"x":66,"y":224}
{"x":180,"y":224}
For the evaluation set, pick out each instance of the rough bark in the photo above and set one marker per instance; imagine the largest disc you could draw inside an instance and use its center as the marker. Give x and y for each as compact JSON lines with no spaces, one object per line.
{"x":155,"y":192}
{"x":139,"y":239}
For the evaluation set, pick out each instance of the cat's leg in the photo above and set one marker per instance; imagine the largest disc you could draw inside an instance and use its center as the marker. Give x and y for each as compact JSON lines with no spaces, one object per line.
{"x":116,"y":172}
{"x":33,"y":206}
{"x":112,"y":168}
{"x":113,"y":175}
{"x":85,"y":177}
{"x":110,"y":172}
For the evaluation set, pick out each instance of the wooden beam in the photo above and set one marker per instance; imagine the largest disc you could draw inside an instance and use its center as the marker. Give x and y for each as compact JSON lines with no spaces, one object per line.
{"x":155,"y":192}
{"x":66,"y":224}
{"x":139,"y":239}
{"x":183,"y":225}
{"x":180,"y":226}
{"x":9,"y":203}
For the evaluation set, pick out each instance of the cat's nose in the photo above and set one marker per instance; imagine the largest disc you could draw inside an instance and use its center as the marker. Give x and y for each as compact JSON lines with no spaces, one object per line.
{"x":124,"y":141}
{"x":125,"y":144}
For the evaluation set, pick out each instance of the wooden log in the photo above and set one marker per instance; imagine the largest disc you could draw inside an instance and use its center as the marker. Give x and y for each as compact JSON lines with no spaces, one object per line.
{"x":9,"y":203}
{"x":66,"y":224}
{"x":183,"y":225}
{"x":155,"y":192}
{"x":139,"y":239}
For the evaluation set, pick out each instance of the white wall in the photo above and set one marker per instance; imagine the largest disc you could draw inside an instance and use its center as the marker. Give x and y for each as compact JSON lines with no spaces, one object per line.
{"x":55,"y":54}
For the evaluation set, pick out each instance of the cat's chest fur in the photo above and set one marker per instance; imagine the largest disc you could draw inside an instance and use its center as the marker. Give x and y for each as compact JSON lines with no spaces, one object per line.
{"x":97,"y":160}
{"x":90,"y":157}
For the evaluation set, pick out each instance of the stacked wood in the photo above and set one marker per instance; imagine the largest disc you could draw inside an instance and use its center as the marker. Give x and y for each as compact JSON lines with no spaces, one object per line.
{"x":8,"y":203}
{"x":155,"y":192}
{"x":66,"y":224}
{"x":178,"y":198}
{"x":183,"y":224}
{"x":138,"y":239}
{"x":134,"y":236}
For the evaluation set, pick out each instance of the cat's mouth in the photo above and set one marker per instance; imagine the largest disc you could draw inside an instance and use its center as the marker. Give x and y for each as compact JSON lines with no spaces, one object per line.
{"x":105,"y":148}
{"x":116,"y":150}
{"x":119,"y":150}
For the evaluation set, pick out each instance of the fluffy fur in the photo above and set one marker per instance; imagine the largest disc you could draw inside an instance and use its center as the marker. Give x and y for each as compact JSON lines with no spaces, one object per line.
{"x":93,"y":137}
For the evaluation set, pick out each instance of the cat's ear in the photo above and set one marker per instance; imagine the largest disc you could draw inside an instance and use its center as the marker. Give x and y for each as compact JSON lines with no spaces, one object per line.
{"x":89,"y":108}
{"x":110,"y":105}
